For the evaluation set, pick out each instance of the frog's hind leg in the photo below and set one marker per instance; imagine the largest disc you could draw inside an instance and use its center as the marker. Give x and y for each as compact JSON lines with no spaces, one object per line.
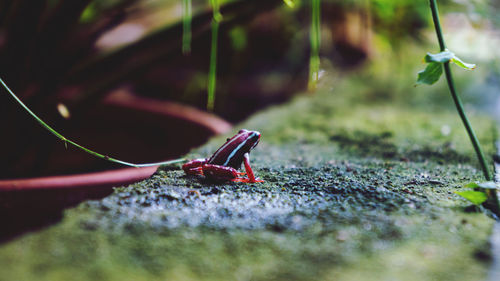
{"x":219,"y":173}
{"x":194,"y":167}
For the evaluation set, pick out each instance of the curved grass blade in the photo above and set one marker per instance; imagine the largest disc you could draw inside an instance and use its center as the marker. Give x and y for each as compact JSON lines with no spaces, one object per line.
{"x":68,"y":141}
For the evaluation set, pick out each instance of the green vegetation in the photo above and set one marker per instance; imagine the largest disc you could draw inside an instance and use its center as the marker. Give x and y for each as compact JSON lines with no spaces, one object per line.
{"x":430,"y":75}
{"x":476,"y":197}
{"x":362,"y":182}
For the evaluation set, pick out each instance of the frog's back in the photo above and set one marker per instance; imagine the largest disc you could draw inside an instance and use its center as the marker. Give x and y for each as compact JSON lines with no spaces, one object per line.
{"x":231,"y":153}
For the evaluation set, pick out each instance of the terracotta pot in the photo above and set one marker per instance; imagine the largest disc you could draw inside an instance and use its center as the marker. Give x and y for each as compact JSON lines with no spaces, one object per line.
{"x":48,"y":193}
{"x":124,"y":126}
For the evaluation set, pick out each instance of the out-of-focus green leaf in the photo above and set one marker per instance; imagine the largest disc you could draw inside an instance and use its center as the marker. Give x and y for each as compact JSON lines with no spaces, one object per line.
{"x":290,"y":3}
{"x":475,"y":197}
{"x":218,"y":16}
{"x":430,"y":74}
{"x":488,"y":185}
{"x":472,"y":185}
{"x":238,"y":38}
{"x":442,"y":57}
{"x":89,"y":14}
{"x":469,"y":66}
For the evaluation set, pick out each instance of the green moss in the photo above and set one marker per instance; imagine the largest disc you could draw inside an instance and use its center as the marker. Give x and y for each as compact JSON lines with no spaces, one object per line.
{"x":352,"y":191}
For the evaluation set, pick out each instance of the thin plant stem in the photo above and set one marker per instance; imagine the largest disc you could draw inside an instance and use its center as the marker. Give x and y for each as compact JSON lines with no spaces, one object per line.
{"x":212,"y":73}
{"x":68,"y":141}
{"x":186,"y":26}
{"x":315,"y":41}
{"x":456,"y":98}
{"x":492,"y":195}
{"x":465,"y":120}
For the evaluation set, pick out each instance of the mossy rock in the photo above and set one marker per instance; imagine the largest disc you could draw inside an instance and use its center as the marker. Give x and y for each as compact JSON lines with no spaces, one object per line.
{"x":352,"y":191}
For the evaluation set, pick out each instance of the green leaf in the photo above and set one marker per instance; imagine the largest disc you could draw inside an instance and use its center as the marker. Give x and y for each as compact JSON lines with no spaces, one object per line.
{"x":430,"y":74}
{"x":475,"y":197}
{"x":471,"y":185}
{"x":89,"y":14}
{"x":469,"y":66}
{"x":238,"y":37}
{"x":442,"y":57}
{"x":485,"y":185}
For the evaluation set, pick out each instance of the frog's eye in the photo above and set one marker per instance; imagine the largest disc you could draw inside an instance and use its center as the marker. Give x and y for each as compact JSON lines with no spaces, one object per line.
{"x":228,"y":139}
{"x":242,"y":131}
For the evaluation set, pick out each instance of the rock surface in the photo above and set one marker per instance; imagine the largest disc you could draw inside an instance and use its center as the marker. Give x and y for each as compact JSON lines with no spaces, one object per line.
{"x":353,"y":191}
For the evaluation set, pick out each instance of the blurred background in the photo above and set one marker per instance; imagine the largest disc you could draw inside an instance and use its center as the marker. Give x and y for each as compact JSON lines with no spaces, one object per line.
{"x":111,"y":74}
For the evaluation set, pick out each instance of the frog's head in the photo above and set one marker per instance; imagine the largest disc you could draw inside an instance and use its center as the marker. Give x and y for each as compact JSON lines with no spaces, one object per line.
{"x":251,"y":139}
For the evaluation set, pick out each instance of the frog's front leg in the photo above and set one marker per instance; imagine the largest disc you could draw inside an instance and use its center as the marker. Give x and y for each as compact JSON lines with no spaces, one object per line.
{"x":251,"y":177}
{"x":194,"y":167}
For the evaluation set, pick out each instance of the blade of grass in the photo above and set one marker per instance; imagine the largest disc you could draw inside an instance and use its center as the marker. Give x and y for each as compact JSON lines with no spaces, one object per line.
{"x":315,"y":38}
{"x":212,"y":72}
{"x":68,"y":141}
{"x":187,"y":15}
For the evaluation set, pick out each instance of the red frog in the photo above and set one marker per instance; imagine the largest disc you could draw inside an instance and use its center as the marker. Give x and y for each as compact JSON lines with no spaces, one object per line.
{"x":223,"y":164}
